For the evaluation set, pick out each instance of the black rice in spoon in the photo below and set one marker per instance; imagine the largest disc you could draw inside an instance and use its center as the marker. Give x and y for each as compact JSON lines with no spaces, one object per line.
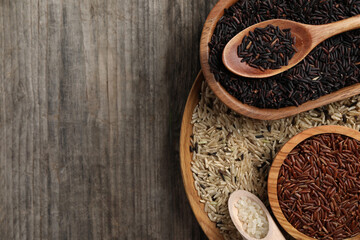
{"x":267,"y":48}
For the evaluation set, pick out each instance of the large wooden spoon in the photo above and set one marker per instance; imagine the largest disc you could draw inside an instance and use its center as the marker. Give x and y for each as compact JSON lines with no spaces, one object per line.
{"x":273,"y":233}
{"x":307,"y":38}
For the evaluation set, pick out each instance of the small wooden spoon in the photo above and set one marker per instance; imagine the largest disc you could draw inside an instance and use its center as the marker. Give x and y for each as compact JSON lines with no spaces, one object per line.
{"x":273,"y":233}
{"x":307,"y":38}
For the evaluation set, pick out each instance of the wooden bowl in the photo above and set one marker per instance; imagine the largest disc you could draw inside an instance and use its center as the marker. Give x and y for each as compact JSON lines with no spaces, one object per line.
{"x":278,"y":161}
{"x":254,"y":112}
{"x":209,"y":227}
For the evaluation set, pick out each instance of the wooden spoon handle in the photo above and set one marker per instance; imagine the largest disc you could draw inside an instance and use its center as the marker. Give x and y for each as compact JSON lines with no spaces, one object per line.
{"x":325,"y":31}
{"x":274,"y":231}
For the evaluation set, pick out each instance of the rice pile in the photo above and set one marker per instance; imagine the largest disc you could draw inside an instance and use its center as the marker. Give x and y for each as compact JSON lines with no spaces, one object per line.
{"x":253,"y":218}
{"x":232,"y":152}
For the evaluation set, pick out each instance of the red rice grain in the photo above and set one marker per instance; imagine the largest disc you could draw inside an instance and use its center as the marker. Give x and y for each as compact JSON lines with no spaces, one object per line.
{"x":319,"y":187}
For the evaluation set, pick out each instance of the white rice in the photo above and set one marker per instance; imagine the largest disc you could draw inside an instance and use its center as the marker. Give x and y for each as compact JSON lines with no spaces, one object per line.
{"x":235,"y":152}
{"x":253,"y":218}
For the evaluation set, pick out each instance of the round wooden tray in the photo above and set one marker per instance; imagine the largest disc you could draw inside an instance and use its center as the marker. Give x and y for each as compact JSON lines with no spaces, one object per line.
{"x":210,"y":229}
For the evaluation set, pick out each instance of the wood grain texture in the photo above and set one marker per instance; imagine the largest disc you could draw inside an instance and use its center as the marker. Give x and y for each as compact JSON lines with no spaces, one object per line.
{"x":278,"y":161}
{"x":92,"y":94}
{"x":254,"y":112}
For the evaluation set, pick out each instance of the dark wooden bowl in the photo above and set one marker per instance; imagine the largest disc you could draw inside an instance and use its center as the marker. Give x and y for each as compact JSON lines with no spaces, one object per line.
{"x":254,"y":112}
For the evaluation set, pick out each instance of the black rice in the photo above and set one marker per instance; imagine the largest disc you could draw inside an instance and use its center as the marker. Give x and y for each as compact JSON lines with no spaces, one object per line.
{"x":332,"y":65}
{"x":267,"y":48}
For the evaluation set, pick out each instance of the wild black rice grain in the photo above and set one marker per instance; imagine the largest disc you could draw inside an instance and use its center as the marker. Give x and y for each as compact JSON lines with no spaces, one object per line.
{"x":267,"y":48}
{"x":332,"y":65}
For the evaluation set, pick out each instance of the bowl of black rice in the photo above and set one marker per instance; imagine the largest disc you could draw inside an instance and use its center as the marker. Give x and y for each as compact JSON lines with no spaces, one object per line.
{"x":333,"y":66}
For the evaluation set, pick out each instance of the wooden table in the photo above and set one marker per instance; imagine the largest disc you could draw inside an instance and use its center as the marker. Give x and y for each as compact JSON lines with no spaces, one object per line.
{"x":92,"y":94}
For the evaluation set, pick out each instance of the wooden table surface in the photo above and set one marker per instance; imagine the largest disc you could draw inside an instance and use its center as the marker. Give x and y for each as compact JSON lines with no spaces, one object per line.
{"x":92,"y":95}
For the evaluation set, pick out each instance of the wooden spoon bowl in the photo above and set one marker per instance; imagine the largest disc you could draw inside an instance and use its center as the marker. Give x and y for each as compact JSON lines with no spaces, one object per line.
{"x":254,"y":112}
{"x":233,"y":63}
{"x":278,"y":161}
{"x":273,"y":233}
